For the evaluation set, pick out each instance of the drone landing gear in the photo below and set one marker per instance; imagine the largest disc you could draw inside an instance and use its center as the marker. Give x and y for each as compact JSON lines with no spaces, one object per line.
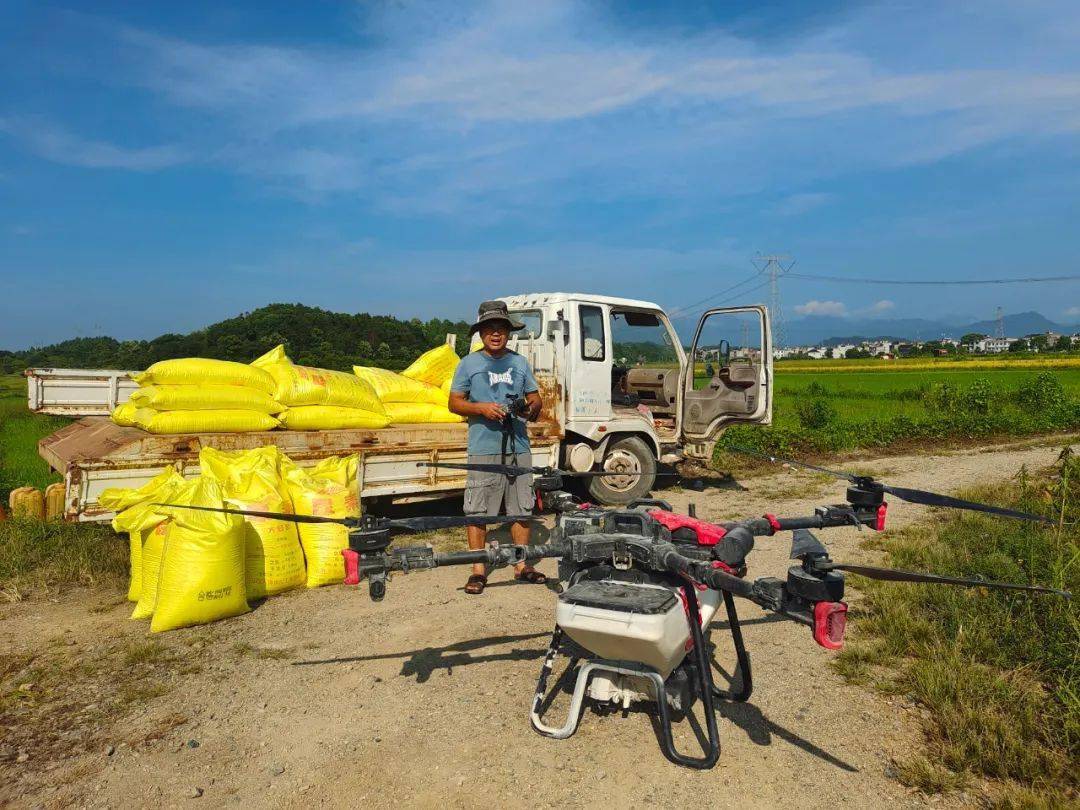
{"x":742,"y":669}
{"x":700,"y":665}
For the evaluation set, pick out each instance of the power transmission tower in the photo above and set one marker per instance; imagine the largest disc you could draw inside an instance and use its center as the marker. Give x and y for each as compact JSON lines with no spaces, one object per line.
{"x":775,"y":266}
{"x":1000,"y":324}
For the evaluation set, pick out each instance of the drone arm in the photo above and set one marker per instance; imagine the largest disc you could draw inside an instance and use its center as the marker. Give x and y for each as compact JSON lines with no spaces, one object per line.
{"x":826,"y":517}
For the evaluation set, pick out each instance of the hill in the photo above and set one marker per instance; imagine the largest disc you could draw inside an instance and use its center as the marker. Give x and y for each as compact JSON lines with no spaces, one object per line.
{"x":833,"y":330}
{"x":312,"y":336}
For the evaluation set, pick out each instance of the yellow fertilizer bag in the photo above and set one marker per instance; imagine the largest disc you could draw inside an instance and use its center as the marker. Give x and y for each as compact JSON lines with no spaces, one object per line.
{"x":338,"y":469}
{"x":202,"y":371}
{"x":322,"y":542}
{"x":407,"y":413}
{"x":394,"y":387}
{"x":124,"y":414}
{"x":274,"y":561}
{"x":137,"y":517}
{"x":434,"y":366}
{"x":202,"y":565}
{"x":139,"y":522}
{"x":204,"y":398}
{"x":158,"y":488}
{"x":331,"y":417}
{"x":305,"y":385}
{"x":157,"y":518}
{"x":152,"y":545}
{"x":224,"y":421}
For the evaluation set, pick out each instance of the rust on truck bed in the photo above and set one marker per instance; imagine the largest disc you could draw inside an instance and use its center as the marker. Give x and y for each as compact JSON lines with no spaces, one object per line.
{"x":97,"y":439}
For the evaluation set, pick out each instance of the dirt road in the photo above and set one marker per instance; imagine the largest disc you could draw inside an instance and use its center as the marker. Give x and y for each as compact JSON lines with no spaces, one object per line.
{"x":323,"y":698}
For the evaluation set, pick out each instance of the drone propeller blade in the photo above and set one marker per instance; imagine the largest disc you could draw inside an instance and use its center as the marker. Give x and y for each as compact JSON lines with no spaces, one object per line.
{"x":791,"y":462}
{"x":805,"y":544}
{"x":919,"y":496}
{"x":505,"y":469}
{"x":934,"y":499}
{"x":426,"y":524}
{"x":510,"y":469}
{"x":896,"y":575}
{"x":346,"y":521}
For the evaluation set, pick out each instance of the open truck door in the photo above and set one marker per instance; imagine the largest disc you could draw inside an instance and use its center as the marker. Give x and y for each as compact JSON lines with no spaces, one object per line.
{"x":727,"y":378}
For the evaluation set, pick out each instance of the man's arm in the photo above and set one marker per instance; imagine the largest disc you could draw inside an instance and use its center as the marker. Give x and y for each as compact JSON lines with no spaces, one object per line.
{"x":532,"y":393}
{"x":463,"y":407}
{"x":535,"y":405}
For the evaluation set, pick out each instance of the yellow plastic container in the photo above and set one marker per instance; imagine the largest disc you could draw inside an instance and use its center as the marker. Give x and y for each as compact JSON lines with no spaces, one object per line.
{"x":54,"y":501}
{"x":28,"y":502}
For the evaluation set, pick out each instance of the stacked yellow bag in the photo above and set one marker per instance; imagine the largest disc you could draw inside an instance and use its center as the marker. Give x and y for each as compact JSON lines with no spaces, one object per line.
{"x":137,"y":517}
{"x":202,"y":562}
{"x":328,"y":489}
{"x":420,"y":393}
{"x":393,"y":387}
{"x":406,"y":413}
{"x":124,"y":414}
{"x":274,"y":561}
{"x":434,"y":367}
{"x":198,"y":395}
{"x":320,"y":399}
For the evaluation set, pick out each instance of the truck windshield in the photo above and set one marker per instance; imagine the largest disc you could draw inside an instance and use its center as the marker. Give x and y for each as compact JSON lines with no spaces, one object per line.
{"x":641,"y":340}
{"x":533,"y":320}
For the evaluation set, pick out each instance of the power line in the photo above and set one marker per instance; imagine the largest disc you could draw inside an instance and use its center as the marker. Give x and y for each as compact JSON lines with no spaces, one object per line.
{"x":746,"y":280}
{"x":849,"y":280}
{"x":742,"y":293}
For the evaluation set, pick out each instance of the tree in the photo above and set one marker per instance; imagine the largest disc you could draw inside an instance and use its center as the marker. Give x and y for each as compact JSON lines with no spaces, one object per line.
{"x":1018,"y":346}
{"x":1063,"y":344}
{"x":972,"y":337}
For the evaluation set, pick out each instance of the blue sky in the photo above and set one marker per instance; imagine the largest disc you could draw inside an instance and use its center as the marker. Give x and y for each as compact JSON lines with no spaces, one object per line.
{"x":163,"y":166}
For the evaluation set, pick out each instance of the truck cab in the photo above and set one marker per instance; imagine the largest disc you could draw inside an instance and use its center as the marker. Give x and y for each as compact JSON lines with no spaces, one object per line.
{"x":628,"y":393}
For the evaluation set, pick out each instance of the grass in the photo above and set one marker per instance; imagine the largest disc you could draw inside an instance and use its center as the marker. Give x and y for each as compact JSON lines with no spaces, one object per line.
{"x":38,"y":556}
{"x":20,"y":431}
{"x":999,"y":674}
{"x":833,"y":412}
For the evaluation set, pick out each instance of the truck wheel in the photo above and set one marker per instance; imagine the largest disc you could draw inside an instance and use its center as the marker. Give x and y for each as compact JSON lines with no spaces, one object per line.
{"x":632,"y":456}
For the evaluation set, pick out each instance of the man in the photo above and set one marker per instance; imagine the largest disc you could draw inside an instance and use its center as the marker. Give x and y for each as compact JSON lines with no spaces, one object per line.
{"x":485,"y":384}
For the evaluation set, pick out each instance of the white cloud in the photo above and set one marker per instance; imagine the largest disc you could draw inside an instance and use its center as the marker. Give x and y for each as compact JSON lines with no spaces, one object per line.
{"x":498,"y":105}
{"x":821,"y":308}
{"x":795,"y":204}
{"x":1072,"y":312}
{"x":884,"y":305}
{"x":60,"y":146}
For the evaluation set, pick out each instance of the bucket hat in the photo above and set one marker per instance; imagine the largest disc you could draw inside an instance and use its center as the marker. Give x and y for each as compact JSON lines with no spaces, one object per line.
{"x":494,"y":311}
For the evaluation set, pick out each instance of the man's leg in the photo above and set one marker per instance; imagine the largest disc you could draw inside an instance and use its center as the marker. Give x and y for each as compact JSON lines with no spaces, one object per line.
{"x":480,"y":491}
{"x":477,"y":537}
{"x":520,"y":532}
{"x":520,"y":499}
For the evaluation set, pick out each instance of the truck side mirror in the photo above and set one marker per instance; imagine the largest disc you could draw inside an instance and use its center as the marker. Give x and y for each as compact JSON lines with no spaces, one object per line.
{"x":559,"y":329}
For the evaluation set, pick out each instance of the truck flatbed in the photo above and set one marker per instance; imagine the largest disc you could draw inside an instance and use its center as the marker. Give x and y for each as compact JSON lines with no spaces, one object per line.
{"x":94,"y":454}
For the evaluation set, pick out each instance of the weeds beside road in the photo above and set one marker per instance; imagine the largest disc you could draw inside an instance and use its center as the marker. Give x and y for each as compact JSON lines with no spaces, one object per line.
{"x":997,"y":673}
{"x":819,"y":420}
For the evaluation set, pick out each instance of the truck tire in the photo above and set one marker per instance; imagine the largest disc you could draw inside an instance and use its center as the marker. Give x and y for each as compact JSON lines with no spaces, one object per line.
{"x":635,"y":457}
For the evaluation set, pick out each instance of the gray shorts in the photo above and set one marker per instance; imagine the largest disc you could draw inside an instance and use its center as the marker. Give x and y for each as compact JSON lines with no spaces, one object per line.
{"x":487,"y":492}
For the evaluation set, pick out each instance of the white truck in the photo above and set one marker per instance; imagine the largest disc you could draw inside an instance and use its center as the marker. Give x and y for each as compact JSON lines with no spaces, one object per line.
{"x":620,"y":393}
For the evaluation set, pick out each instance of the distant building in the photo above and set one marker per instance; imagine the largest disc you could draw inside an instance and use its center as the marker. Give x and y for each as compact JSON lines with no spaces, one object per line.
{"x":839,"y":352}
{"x":993,"y":345}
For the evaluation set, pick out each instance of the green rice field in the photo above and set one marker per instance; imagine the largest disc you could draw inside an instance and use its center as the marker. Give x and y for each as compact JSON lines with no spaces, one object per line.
{"x":20,"y":431}
{"x":859,"y":395}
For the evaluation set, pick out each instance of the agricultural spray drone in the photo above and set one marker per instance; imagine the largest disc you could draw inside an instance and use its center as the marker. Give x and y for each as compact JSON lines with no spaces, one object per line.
{"x":641,"y":585}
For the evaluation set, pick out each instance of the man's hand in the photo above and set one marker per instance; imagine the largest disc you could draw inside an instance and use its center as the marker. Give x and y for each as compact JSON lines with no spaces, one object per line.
{"x":490,"y":410}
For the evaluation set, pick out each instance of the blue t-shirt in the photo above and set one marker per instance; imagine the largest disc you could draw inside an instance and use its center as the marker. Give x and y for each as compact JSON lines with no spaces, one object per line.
{"x":483,"y":378}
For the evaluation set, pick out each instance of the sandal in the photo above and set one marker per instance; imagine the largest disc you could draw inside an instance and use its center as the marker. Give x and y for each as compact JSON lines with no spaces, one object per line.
{"x":476,"y":584}
{"x":531,"y":576}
